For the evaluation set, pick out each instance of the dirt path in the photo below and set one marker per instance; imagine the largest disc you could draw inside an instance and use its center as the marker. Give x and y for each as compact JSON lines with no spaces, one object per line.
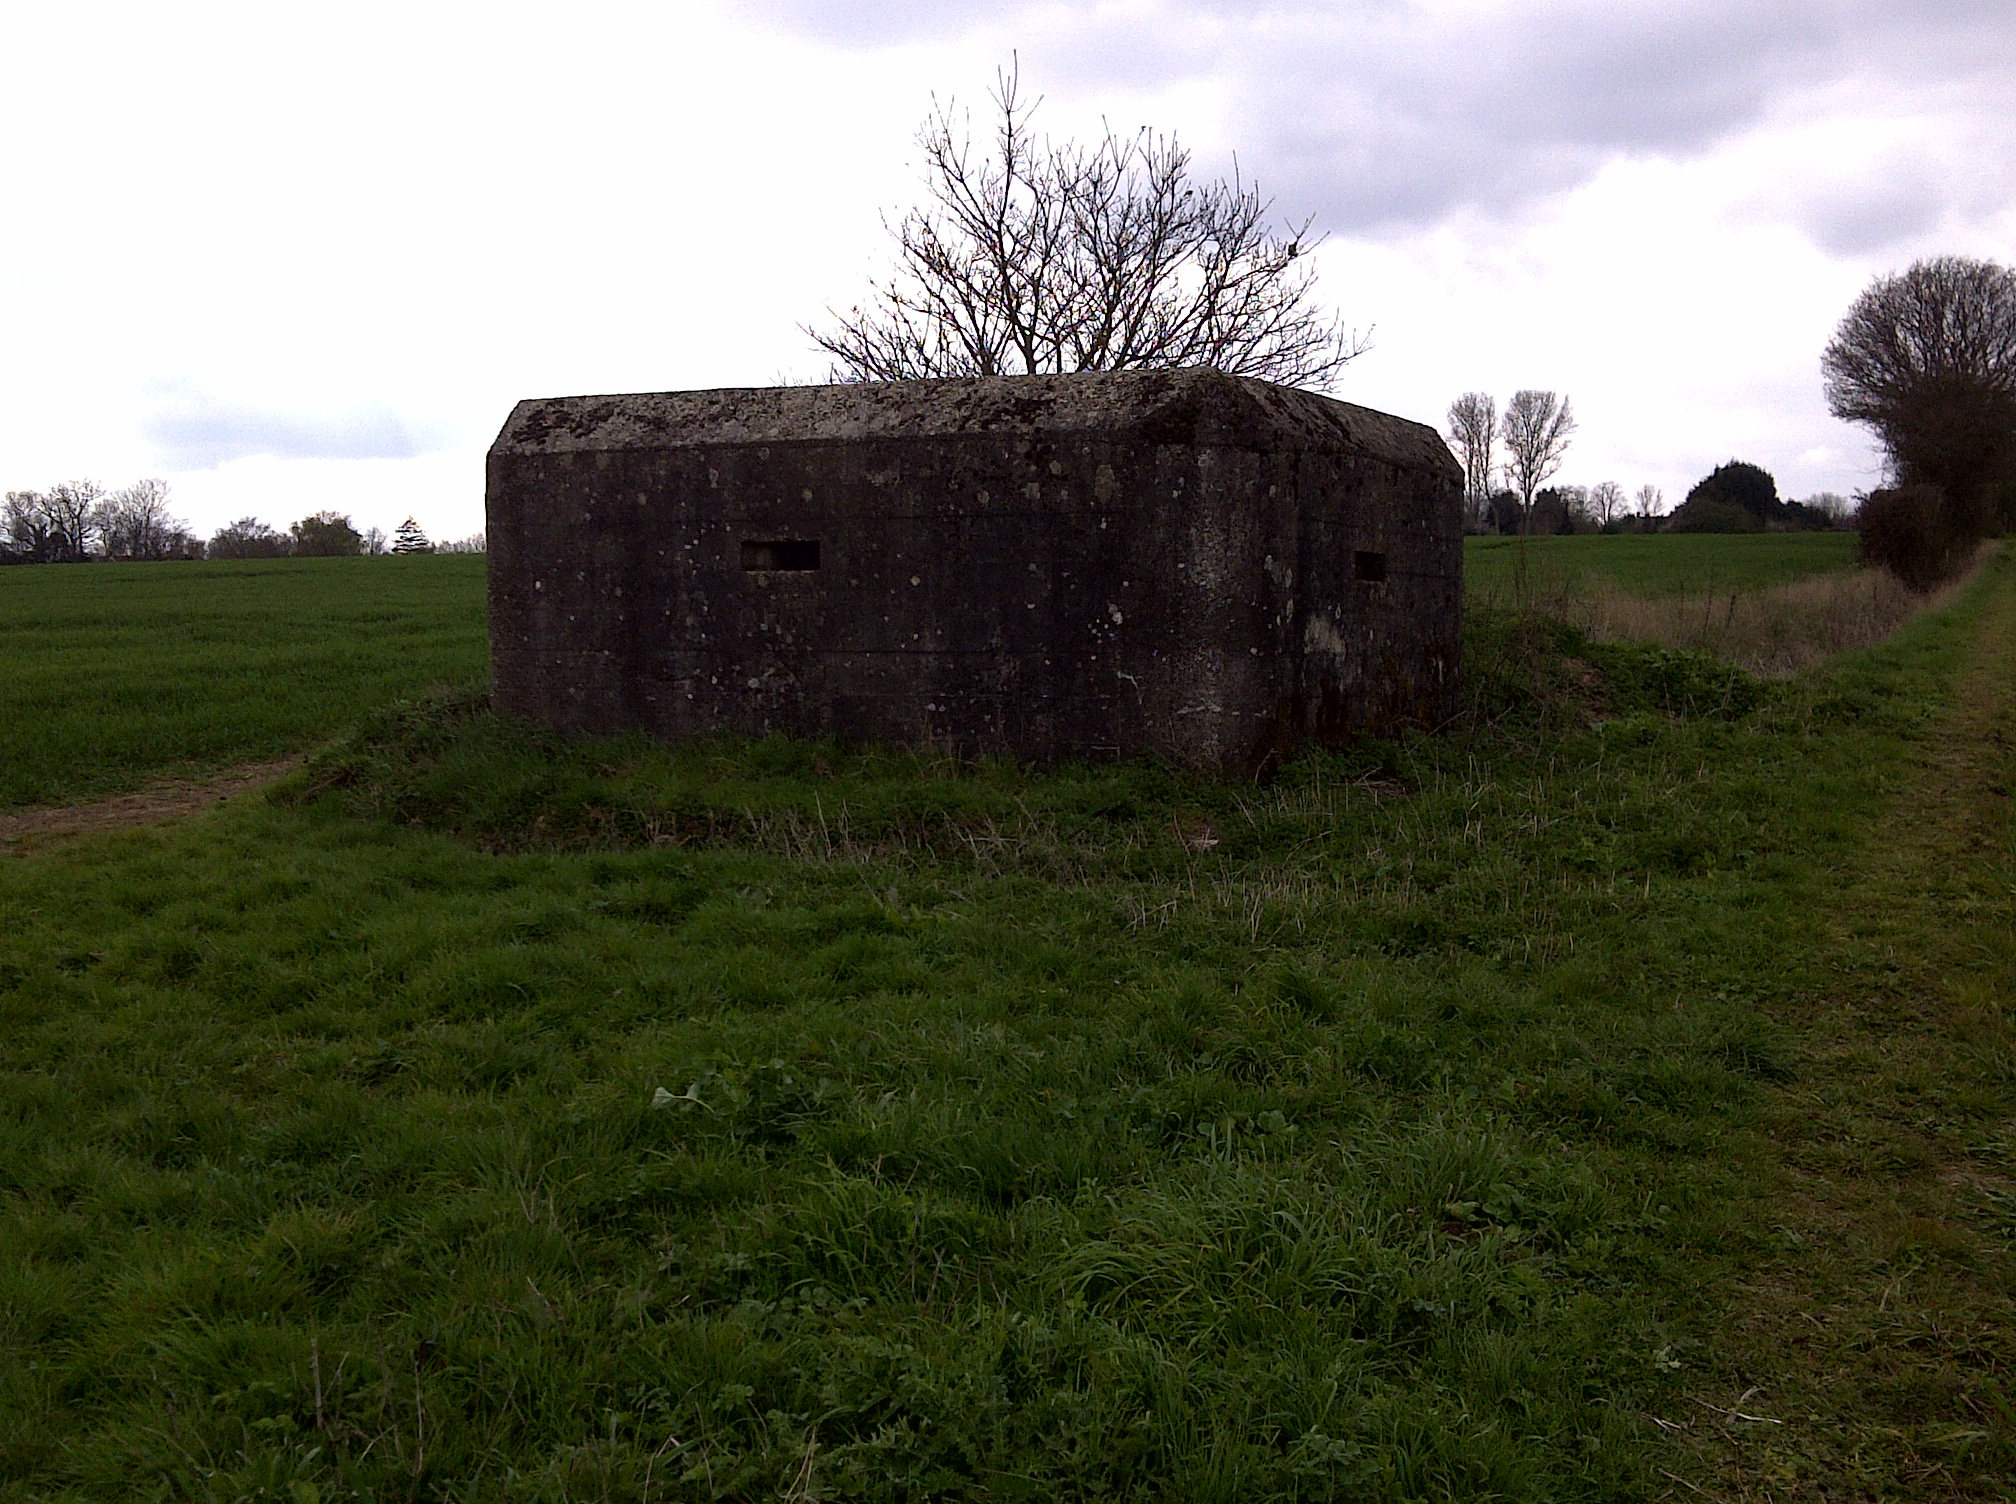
{"x":1874,"y":1315}
{"x":30,"y":829}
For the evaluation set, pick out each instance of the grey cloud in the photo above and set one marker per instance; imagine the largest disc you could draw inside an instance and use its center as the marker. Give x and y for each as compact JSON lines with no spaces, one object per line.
{"x":1886,"y":210}
{"x":1409,"y":119}
{"x":197,"y":435}
{"x":1376,"y":113}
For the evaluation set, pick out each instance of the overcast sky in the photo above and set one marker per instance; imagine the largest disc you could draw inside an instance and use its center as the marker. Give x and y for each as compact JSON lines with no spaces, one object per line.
{"x":294,"y":257}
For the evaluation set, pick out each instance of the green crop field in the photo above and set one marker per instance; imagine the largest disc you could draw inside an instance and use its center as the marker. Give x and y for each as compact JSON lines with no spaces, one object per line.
{"x":1656,"y":564}
{"x":1609,"y":1098}
{"x":114,"y":673}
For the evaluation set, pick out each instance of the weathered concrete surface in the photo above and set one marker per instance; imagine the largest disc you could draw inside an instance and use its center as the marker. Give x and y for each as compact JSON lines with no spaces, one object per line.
{"x":1181,"y":563}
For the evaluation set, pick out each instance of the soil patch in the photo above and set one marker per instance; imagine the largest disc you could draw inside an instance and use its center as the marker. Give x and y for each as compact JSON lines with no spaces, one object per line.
{"x":24,"y":830}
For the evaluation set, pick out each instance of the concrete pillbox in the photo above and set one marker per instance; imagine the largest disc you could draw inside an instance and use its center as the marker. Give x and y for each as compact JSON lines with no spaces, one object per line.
{"x":1183,"y":564}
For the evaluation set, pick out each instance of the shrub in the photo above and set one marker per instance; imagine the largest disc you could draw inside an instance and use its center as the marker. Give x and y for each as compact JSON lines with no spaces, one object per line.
{"x":1909,"y":533}
{"x":327,"y":535}
{"x":1738,"y":484}
{"x":1560,"y":510}
{"x":1822,"y":513}
{"x":1707,"y":512}
{"x":249,"y":538}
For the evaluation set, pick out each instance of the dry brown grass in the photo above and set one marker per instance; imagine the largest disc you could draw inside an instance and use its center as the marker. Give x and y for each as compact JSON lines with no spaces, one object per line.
{"x":1775,"y":632}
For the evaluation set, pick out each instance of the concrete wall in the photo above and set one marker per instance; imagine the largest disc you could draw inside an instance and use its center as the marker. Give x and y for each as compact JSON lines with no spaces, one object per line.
{"x":1183,"y":563}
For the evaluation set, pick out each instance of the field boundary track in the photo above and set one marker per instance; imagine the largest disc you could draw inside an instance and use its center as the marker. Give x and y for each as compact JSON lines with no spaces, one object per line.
{"x":1883,"y":1285}
{"x":23,"y":830}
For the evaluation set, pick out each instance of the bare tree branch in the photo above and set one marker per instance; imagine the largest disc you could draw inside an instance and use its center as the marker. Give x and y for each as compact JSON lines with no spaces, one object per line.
{"x":1046,"y":258}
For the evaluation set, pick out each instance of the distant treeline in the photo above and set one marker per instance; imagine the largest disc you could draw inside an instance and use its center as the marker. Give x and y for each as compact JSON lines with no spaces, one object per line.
{"x":1736,"y":497}
{"x":79,"y":522}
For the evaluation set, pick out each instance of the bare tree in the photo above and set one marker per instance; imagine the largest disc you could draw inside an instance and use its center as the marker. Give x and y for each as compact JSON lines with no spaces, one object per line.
{"x":56,"y":526}
{"x":1537,"y":428}
{"x":1473,"y":425}
{"x":27,"y":523}
{"x":1651,"y":501}
{"x":134,"y":522}
{"x":1043,"y":258}
{"x":1606,"y":502}
{"x":73,"y":508}
{"x":373,"y":543}
{"x":1928,"y":360}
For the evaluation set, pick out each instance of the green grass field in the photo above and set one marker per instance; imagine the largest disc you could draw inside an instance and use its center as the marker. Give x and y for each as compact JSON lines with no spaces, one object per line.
{"x":111,"y":674}
{"x":1518,"y":1114}
{"x":1656,"y":564}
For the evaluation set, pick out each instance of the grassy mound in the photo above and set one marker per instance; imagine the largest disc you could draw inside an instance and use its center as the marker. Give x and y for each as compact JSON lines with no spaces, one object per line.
{"x":445,"y":763}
